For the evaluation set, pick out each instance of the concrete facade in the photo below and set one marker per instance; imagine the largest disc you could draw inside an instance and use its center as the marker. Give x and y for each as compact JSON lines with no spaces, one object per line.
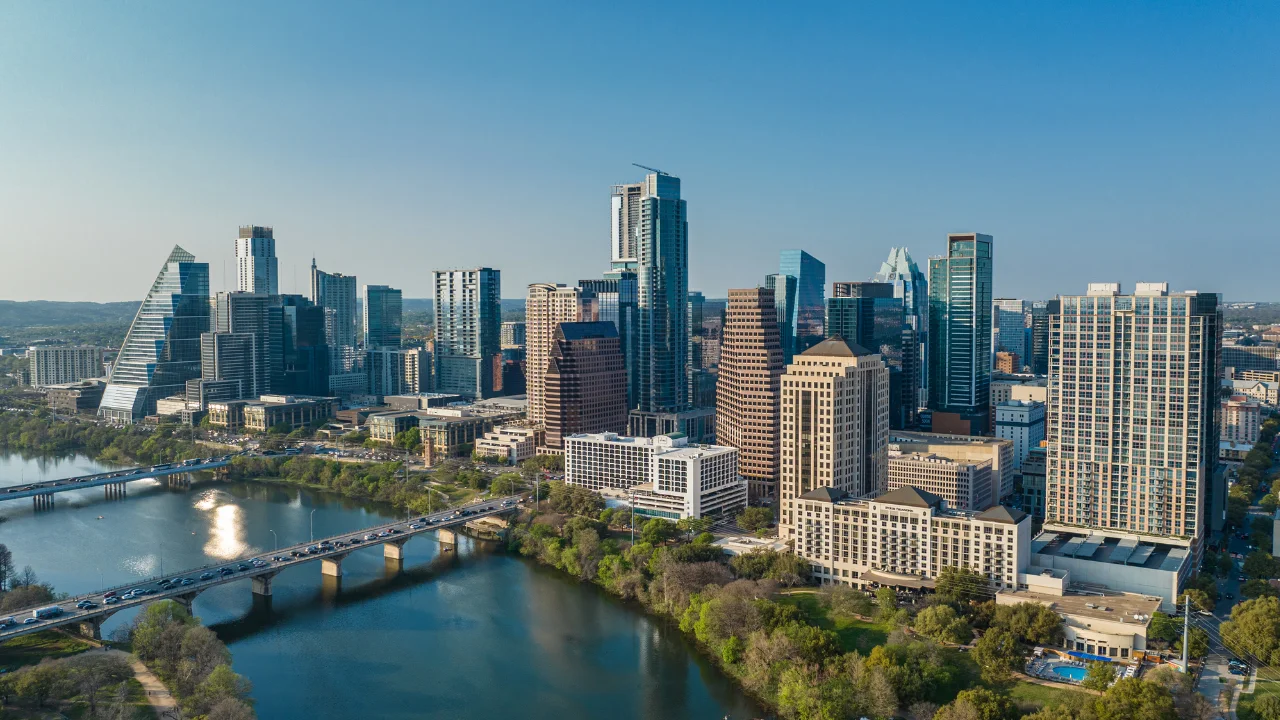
{"x":748,"y":387}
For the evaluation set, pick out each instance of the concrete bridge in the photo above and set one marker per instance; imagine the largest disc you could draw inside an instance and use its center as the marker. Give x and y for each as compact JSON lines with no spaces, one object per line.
{"x":183,"y":587}
{"x":42,"y":493}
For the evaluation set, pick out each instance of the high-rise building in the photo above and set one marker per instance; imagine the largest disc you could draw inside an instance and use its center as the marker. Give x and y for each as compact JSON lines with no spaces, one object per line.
{"x":1132,"y":424}
{"x":383,"y":308}
{"x":468,"y":320}
{"x":784,"y":300}
{"x":1251,"y":357}
{"x":585,"y":382}
{"x":545,"y":307}
{"x":910,"y":285}
{"x":1010,"y":322}
{"x":262,"y":317}
{"x":960,"y":332}
{"x":256,"y":265}
{"x":306,"y":354}
{"x":697,"y":333}
{"x":161,"y":351}
{"x":747,"y":389}
{"x":513,"y":334}
{"x":616,"y":300}
{"x":810,"y":305}
{"x":662,"y":273}
{"x":1039,"y":358}
{"x":225,"y":358}
{"x":336,"y":293}
{"x":868,"y":314}
{"x":54,"y":365}
{"x":1021,"y":421}
{"x":835,"y":426}
{"x":624,"y":225}
{"x":965,"y":484}
{"x":397,"y":371}
{"x":1241,"y":420}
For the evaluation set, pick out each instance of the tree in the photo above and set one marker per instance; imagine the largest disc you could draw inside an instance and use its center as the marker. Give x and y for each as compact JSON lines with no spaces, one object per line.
{"x":942,"y":623}
{"x":1099,"y":675}
{"x":692,"y":526}
{"x":1200,"y":599}
{"x":1259,"y":564}
{"x":505,"y":484}
{"x":1254,"y":630}
{"x":1199,"y":643}
{"x":408,"y":440}
{"x":221,"y":684}
{"x":230,"y":709}
{"x":1032,"y":622}
{"x":1134,"y":699}
{"x":657,"y":531}
{"x":886,"y":604}
{"x":1163,"y":628}
{"x":93,"y":672}
{"x":24,"y":596}
{"x":998,"y":654}
{"x":958,"y":584}
{"x":283,"y":428}
{"x":1258,"y":588}
{"x":844,"y":600}
{"x":587,"y":543}
{"x":1267,"y":707}
{"x":6,"y":566}
{"x":978,"y":704}
{"x":754,"y":518}
{"x":37,"y":684}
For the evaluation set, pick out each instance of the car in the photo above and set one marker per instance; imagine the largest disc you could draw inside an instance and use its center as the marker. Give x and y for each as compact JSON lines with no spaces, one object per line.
{"x":90,"y":606}
{"x":226,"y":571}
{"x":1236,"y":671}
{"x":187,"y":581}
{"x":206,"y":576}
{"x":1240,"y":578}
{"x":354,"y":541}
{"x":1229,"y":596}
{"x":415,"y":526}
{"x":30,"y":621}
{"x":242,"y":567}
{"x":384,"y":533}
{"x":111,"y":600}
{"x":393,"y":531}
{"x":295,"y":553}
{"x":369,"y":536}
{"x":82,"y":603}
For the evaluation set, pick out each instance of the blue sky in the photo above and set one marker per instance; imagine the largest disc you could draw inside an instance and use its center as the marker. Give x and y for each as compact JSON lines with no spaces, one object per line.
{"x":1093,"y":140}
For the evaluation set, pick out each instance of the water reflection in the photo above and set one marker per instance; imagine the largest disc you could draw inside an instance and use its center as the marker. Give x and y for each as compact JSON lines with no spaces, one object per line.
{"x":226,"y":534}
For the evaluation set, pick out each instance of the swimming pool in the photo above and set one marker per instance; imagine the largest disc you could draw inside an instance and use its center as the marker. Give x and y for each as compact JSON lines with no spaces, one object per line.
{"x":1074,"y":674}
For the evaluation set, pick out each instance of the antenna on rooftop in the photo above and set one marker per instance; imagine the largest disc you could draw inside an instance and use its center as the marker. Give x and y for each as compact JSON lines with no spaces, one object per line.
{"x":646,"y":167}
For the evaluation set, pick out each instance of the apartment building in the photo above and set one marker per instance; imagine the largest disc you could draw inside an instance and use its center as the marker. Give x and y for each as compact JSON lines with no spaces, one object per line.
{"x":62,"y":365}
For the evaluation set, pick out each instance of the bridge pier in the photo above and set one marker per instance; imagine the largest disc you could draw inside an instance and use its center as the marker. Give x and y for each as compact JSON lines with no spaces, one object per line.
{"x":180,"y":481}
{"x":43,"y":501}
{"x":394,"y":549}
{"x":185,"y":600}
{"x":92,"y":628}
{"x":262,"y":584}
{"x":447,"y":537}
{"x":332,"y":565}
{"x":114,"y":491}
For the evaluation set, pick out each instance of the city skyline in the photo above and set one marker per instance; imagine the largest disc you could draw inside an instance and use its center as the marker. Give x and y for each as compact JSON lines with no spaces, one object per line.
{"x":398,"y":151}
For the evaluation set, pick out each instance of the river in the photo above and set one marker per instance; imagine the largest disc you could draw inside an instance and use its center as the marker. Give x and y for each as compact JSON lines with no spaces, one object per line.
{"x":472,"y":634}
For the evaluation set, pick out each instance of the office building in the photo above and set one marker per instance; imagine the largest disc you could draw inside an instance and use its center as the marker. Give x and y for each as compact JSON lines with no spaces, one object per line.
{"x":262,"y":317}
{"x":76,"y":397}
{"x":1007,"y":363}
{"x":1265,"y":392}
{"x":1251,"y":357}
{"x":835,"y":425}
{"x":868,"y":314}
{"x":513,"y":444}
{"x":625,"y":205}
{"x":230,"y":359}
{"x":446,"y":436}
{"x":698,"y":424}
{"x":1009,"y":318}
{"x":748,"y":387}
{"x":667,"y":476}
{"x":1132,"y":424}
{"x":965,"y":485}
{"x":304,"y":349}
{"x":161,"y":351}
{"x":271,"y":411}
{"x":468,"y":319}
{"x":783,"y":288}
{"x":616,"y":302}
{"x":1241,"y":419}
{"x":965,"y":449}
{"x":383,"y":308}
{"x":585,"y":382}
{"x":906,"y":538}
{"x":1033,"y":482}
{"x":1039,"y":358}
{"x":960,"y":334}
{"x":1022,"y":387}
{"x":397,"y":371}
{"x":256,"y":265}
{"x":336,"y":293}
{"x":662,"y":273}
{"x":54,"y":365}
{"x":909,"y":283}
{"x":810,"y":305}
{"x":513,"y":334}
{"x":201,"y":391}
{"x":1022,"y":422}
{"x":546,"y":306}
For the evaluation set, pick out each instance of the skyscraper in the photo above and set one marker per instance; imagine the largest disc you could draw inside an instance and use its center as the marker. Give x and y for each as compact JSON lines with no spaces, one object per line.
{"x":747,"y":390}
{"x":960,"y":333}
{"x":616,"y":297}
{"x":662,"y":272}
{"x":161,"y":351}
{"x":624,"y":225}
{"x":262,"y":317}
{"x":784,"y":300}
{"x":910,"y":285}
{"x":336,"y":293}
{"x":868,"y":314}
{"x":227,"y":357}
{"x":256,"y":265}
{"x":468,"y":321}
{"x":810,"y":306}
{"x":383,"y":308}
{"x":1040,"y":312}
{"x":585,"y":382}
{"x":546,"y":306}
{"x":1010,"y":323}
{"x":306,"y":354}
{"x":835,"y":426}
{"x":1132,"y":424}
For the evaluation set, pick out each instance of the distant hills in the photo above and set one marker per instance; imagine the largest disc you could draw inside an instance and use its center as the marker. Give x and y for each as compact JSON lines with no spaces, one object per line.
{"x":47,"y":313}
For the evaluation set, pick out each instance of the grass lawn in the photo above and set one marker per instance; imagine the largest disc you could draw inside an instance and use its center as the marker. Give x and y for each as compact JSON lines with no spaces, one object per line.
{"x":1030,"y":696}
{"x":854,"y":634}
{"x":1268,"y":684}
{"x":31,"y":649}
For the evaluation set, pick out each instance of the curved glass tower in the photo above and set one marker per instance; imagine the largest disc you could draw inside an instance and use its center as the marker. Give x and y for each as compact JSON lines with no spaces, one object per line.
{"x":162,"y":350}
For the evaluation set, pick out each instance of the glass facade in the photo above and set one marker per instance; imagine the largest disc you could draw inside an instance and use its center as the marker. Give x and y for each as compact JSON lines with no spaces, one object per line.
{"x":383,"y":308}
{"x":662,"y":271}
{"x":810,"y":305}
{"x":911,"y":285}
{"x":161,"y":352}
{"x":960,"y":305}
{"x":784,"y":299}
{"x":616,"y":297}
{"x":1011,"y":329}
{"x":876,"y":320}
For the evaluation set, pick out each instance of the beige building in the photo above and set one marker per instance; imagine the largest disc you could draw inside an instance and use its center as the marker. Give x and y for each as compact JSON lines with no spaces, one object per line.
{"x":835,"y":426}
{"x":513,"y":443}
{"x":1100,"y":622}
{"x":747,"y":391}
{"x":1025,"y":390}
{"x":1267,"y":393}
{"x":905,"y":538}
{"x":268,"y":411}
{"x":546,"y":306}
{"x":964,"y":485}
{"x":1241,"y":419}
{"x":964,"y":449}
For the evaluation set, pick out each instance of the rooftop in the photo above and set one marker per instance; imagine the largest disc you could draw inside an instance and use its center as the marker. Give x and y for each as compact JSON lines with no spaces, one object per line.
{"x":837,"y":347}
{"x":1129,"y":551}
{"x":1101,"y":604}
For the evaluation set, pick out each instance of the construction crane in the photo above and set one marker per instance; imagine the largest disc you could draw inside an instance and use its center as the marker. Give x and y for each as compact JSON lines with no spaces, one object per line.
{"x":656,"y":170}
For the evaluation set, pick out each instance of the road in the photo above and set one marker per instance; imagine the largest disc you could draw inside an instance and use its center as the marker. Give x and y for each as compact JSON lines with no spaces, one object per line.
{"x":48,"y":487}
{"x":189,"y":583}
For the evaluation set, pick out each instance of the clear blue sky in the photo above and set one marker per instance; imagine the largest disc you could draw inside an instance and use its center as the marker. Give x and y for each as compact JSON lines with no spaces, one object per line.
{"x":1094,"y":140}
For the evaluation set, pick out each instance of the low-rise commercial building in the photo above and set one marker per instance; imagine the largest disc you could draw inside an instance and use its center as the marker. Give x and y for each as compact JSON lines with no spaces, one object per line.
{"x":906,"y":538}
{"x":1122,"y":562}
{"x":1267,"y":393}
{"x":383,"y":427}
{"x":513,"y":443}
{"x":964,"y":485}
{"x":269,"y":411}
{"x":1097,"y":621}
{"x":75,"y":397}
{"x":965,"y":448}
{"x":667,"y":476}
{"x":450,"y":436}
{"x":1021,"y":421}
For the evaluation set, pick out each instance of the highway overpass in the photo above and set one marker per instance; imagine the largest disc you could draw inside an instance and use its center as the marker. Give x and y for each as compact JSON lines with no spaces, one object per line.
{"x":42,"y":492}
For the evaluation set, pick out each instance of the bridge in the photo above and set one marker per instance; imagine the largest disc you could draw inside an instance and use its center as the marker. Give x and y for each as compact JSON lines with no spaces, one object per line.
{"x":42,"y":492}
{"x":183,"y":587}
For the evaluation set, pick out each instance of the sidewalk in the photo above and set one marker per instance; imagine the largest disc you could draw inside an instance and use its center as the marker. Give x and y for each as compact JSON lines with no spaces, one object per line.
{"x":158,"y":696}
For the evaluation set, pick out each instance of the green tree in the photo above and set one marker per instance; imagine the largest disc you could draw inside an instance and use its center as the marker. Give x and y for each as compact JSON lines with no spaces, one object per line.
{"x":38,"y":684}
{"x":91,"y":673}
{"x":998,"y":655}
{"x":1031,"y":622}
{"x":505,"y":484}
{"x":978,"y":704}
{"x":1258,"y":588}
{"x":409,"y":439}
{"x":1254,"y":630}
{"x":1134,"y":699}
{"x":221,"y":684}
{"x":886,"y":604}
{"x":944,"y":624}
{"x":731,"y":651}
{"x":280,"y":429}
{"x":1099,"y":675}
{"x":754,"y":518}
{"x":657,"y":531}
{"x":1163,"y":628}
{"x":1267,"y":707}
{"x":958,"y":584}
{"x":1259,"y":564}
{"x":1199,"y":643}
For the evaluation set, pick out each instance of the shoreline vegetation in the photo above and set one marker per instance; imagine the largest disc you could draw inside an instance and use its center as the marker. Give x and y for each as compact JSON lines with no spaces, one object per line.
{"x":819,"y":654}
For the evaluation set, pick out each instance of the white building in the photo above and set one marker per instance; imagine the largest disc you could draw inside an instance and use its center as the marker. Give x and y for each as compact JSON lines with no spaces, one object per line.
{"x":1267,"y":393}
{"x":667,"y":476}
{"x":62,"y":365}
{"x":1021,"y":421}
{"x":256,"y":264}
{"x":513,"y":443}
{"x":1241,"y":420}
{"x":906,"y":537}
{"x":468,"y":323}
{"x":964,"y":485}
{"x":971,"y":449}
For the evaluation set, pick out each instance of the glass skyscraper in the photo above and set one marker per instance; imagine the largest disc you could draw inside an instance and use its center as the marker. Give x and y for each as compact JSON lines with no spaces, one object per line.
{"x":960,"y":330}
{"x":810,"y":305}
{"x":161,"y":352}
{"x":868,"y":314}
{"x":468,"y":324}
{"x":616,"y":297}
{"x":784,"y":299}
{"x":662,"y":272}
{"x":1011,"y":329}
{"x":911,"y":285}
{"x":383,"y":308}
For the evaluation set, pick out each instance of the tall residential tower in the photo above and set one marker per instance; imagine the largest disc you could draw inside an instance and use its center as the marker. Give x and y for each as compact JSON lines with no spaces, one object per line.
{"x":468,"y":322}
{"x":960,"y":334}
{"x":256,"y":266}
